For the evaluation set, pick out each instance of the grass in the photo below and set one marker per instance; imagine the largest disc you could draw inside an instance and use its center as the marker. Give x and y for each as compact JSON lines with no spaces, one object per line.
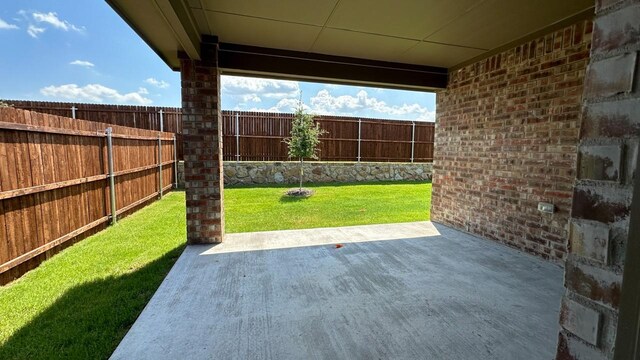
{"x":80,"y":303}
{"x":265,"y":208}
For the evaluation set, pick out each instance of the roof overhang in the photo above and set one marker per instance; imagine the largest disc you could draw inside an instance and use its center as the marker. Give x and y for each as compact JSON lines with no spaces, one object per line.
{"x":403,"y":44}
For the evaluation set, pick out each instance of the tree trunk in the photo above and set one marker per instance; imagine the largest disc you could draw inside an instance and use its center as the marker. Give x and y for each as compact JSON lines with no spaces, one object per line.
{"x":301,"y":172}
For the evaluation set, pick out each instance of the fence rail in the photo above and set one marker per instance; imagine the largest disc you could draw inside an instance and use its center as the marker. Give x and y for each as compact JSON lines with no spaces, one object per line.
{"x":258,"y":136}
{"x":61,"y":178}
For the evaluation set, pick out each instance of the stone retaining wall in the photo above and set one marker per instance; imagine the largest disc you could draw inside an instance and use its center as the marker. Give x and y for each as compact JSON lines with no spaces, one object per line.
{"x":263,"y":172}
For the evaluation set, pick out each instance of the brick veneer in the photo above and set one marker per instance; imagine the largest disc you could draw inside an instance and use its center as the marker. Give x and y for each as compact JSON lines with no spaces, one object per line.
{"x":506,"y":134}
{"x":603,"y":192}
{"x":202,"y":138}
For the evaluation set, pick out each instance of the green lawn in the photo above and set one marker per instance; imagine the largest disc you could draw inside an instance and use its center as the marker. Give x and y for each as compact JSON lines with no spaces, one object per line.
{"x":265,"y":208}
{"x":80,"y":303}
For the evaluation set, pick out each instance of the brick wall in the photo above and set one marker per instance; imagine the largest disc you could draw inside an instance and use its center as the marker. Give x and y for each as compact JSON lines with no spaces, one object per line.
{"x":603,"y":192}
{"x":506,"y":134}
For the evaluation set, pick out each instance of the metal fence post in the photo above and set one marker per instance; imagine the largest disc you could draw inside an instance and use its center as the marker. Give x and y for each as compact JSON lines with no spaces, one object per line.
{"x":160,"y":164}
{"x":237,"y":139}
{"x":413,"y":139}
{"x":112,"y":182}
{"x":359,"y":136}
{"x":73,"y":111}
{"x":161,"y":121}
{"x":175,"y":163}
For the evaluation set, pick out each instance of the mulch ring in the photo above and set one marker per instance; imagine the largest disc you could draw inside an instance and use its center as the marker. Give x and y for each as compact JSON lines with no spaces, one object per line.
{"x":297,"y":192}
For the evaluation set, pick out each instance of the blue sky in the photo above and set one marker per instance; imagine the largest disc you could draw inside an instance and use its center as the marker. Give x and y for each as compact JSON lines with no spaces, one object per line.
{"x":82,"y":51}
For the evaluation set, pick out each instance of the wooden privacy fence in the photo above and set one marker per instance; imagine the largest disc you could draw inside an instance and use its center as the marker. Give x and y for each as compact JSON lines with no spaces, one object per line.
{"x":61,"y":178}
{"x":258,"y":136}
{"x":167,"y":119}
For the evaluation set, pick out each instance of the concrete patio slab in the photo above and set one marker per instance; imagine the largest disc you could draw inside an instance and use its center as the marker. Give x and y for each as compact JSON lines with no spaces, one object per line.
{"x":393,"y":291}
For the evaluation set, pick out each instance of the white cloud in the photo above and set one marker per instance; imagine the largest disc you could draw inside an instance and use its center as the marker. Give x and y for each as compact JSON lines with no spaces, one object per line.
{"x":157,"y":83}
{"x":6,"y":26}
{"x":52,"y":19}
{"x":427,"y":116}
{"x":248,"y":89}
{"x":143,"y":91}
{"x":251,"y":98}
{"x":94,"y":93}
{"x":258,"y":94}
{"x":34,"y":31}
{"x":285,"y":105}
{"x":82,"y":63}
{"x":324,"y":103}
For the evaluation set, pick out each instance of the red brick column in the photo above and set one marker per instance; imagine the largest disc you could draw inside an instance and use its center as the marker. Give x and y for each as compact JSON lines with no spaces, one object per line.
{"x":202,"y":139}
{"x":603,"y":191}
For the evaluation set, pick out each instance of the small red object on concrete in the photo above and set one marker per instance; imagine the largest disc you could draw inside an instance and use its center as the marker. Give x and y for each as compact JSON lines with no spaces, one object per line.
{"x":338,"y":246}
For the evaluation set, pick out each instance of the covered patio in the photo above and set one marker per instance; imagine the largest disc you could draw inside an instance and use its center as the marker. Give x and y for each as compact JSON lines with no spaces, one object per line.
{"x":394,"y":291}
{"x":536,"y":147}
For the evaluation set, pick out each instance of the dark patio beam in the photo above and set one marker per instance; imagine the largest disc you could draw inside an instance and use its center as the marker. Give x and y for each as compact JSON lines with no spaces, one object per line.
{"x":237,"y":59}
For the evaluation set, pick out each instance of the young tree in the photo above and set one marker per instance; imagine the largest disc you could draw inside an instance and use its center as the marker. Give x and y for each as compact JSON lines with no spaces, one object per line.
{"x":305,"y":138}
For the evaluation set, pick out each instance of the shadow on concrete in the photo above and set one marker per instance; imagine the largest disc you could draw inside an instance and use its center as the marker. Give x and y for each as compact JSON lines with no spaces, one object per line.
{"x":89,"y":320}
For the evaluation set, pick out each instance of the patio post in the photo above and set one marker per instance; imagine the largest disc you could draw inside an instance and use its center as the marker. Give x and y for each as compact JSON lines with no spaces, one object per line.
{"x":202,"y":139}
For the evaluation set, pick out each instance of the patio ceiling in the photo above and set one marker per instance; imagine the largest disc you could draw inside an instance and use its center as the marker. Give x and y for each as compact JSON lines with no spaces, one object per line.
{"x":437,"y":34}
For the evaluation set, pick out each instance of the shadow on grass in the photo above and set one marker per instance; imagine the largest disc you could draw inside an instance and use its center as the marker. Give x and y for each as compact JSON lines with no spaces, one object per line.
{"x":293,"y":199}
{"x":90,"y":320}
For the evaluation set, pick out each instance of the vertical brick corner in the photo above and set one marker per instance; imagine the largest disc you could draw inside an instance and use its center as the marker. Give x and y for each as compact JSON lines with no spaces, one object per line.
{"x":603,"y":194}
{"x":202,"y":138}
